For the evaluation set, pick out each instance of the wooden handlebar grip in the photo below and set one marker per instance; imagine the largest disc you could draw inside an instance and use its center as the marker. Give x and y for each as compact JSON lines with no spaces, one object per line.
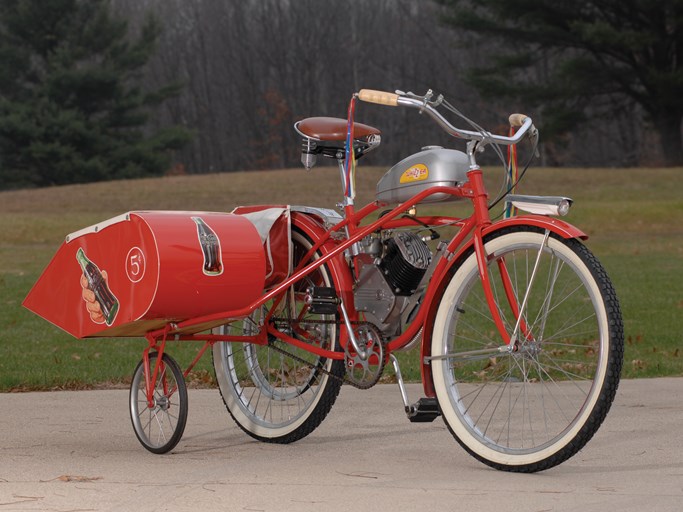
{"x":382,"y":98}
{"x":517,"y":119}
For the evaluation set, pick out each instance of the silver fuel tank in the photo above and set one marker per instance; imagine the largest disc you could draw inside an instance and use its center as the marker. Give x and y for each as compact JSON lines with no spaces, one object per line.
{"x":431,"y":167}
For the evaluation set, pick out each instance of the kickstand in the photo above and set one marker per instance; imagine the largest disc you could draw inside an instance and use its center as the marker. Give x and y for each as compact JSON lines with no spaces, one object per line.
{"x":425,"y":410}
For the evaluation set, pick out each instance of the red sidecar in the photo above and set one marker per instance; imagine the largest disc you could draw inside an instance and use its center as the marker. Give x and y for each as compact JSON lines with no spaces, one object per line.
{"x":136,"y":272}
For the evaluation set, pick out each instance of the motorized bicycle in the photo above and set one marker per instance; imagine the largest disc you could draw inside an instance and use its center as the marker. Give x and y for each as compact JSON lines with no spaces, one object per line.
{"x":517,"y":325}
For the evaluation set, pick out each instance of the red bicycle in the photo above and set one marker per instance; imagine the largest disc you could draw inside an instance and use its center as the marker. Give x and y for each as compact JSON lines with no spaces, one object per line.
{"x":519,"y":329}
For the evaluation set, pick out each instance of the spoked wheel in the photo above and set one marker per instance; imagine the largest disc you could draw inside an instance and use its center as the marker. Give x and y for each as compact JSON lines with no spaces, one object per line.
{"x":533,"y":407}
{"x":274,"y":396}
{"x":159,"y":425}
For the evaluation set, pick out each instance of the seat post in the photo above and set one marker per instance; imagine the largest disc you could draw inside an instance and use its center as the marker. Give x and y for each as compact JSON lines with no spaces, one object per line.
{"x":348,"y":201}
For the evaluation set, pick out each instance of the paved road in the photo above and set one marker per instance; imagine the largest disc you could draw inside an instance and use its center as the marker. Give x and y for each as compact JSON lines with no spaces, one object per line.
{"x":76,"y":451}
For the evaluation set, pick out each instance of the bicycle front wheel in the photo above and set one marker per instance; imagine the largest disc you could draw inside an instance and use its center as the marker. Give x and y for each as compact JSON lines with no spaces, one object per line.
{"x":531,"y":407}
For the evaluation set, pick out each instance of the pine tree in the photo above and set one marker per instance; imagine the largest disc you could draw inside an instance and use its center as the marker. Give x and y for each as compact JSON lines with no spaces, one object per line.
{"x":600,"y":54}
{"x":71,"y":105}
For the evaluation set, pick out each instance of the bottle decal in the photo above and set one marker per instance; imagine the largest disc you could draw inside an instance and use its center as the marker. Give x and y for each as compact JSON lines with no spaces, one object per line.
{"x":211,"y":248}
{"x":101,"y":303}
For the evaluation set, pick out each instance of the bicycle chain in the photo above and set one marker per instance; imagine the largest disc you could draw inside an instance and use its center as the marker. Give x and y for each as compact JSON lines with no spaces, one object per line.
{"x":344,"y":379}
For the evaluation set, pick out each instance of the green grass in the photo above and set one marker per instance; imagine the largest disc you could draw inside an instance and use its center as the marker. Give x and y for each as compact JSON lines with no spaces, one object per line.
{"x":634,"y":218}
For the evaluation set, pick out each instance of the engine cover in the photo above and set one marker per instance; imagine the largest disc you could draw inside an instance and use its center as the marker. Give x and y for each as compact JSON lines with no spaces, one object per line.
{"x":373,"y":294}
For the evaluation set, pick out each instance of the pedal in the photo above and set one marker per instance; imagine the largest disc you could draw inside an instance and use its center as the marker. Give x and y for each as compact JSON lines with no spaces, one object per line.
{"x":322,"y":300}
{"x":425,"y":410}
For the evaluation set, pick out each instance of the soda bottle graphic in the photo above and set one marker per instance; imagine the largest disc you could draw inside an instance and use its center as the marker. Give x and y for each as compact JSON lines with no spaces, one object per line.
{"x":211,"y":248}
{"x":106,"y":299}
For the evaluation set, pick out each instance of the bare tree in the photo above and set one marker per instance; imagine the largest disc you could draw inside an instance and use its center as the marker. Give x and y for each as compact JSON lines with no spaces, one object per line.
{"x":252,"y":68}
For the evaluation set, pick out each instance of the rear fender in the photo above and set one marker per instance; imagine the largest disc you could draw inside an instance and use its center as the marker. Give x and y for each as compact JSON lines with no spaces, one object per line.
{"x":312,"y":225}
{"x":559,"y":227}
{"x":314,"y":222}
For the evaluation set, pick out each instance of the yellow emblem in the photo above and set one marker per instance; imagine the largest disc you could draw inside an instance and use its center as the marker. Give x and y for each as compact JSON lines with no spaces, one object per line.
{"x":418,"y":172}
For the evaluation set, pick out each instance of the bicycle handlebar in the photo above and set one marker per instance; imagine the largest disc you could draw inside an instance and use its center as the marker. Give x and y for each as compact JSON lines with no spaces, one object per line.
{"x":517,"y":119}
{"x":522,"y":121}
{"x":380,"y":97}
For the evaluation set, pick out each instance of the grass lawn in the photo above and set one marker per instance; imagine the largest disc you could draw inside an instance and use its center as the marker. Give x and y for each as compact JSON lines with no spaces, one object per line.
{"x":634,"y":218}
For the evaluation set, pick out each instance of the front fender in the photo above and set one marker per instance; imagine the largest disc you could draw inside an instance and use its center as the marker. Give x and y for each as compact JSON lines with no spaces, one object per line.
{"x":559,"y":227}
{"x":562,"y":228}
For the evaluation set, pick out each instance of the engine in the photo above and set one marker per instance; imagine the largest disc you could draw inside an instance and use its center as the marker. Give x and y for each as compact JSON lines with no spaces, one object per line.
{"x":405,"y":261}
{"x":390,"y":273}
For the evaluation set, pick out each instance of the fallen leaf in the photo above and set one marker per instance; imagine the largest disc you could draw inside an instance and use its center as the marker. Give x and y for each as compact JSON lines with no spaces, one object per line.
{"x":75,"y":478}
{"x":638,"y":364}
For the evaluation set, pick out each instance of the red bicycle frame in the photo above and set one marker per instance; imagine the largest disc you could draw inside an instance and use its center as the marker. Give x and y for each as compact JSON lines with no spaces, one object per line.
{"x":332,"y":251}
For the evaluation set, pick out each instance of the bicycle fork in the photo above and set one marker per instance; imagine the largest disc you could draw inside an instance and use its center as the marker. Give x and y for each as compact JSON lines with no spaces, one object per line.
{"x":518,"y":311}
{"x":521,"y":313}
{"x":511,"y":341}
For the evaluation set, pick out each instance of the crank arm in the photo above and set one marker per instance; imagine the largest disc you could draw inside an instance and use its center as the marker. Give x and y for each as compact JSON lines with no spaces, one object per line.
{"x":362,"y":353}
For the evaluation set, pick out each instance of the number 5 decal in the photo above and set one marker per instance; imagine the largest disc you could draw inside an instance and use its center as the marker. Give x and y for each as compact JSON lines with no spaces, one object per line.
{"x":135,"y":264}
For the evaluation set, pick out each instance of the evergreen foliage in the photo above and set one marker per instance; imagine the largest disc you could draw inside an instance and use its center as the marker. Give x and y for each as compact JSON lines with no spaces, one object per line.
{"x":584,"y":57}
{"x":71,"y":109}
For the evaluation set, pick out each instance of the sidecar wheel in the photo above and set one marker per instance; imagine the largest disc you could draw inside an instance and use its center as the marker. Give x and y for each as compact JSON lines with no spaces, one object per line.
{"x":160,"y":426}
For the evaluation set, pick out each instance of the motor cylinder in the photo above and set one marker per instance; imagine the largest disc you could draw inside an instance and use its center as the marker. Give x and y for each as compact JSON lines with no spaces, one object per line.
{"x":405,"y":262}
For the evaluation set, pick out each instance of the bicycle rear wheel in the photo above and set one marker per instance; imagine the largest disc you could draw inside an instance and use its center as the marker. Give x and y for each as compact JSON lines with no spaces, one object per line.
{"x":532,"y":408}
{"x":273,"y":396}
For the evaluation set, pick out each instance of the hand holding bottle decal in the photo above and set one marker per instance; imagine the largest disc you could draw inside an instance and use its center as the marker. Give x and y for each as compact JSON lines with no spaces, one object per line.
{"x":91,"y":303}
{"x":100,"y":302}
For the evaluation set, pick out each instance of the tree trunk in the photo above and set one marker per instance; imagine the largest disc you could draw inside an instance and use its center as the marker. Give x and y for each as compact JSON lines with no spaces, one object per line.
{"x":668,"y":126}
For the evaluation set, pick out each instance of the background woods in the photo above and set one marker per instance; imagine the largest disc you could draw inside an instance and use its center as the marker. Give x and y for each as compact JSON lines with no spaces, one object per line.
{"x":249,"y":69}
{"x":253,"y":68}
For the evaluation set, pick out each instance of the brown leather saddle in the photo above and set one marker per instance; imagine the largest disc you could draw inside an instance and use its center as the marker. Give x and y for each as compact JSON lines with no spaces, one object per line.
{"x":327,"y":136}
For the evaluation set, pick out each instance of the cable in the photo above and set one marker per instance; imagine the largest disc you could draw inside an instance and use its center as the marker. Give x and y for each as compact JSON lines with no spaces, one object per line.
{"x":496,"y":147}
{"x":521,"y":175}
{"x":484,"y":133}
{"x":499,"y":152}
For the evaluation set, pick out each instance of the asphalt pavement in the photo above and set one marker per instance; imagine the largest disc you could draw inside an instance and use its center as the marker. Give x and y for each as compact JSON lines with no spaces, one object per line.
{"x":76,"y":451}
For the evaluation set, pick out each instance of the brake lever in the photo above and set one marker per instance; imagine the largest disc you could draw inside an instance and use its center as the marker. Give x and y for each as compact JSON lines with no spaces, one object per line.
{"x":438,"y":101}
{"x":533,"y":137}
{"x":425,"y":98}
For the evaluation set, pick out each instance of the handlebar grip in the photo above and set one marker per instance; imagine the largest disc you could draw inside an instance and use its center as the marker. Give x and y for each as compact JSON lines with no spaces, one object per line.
{"x":517,"y":119}
{"x":380,"y":97}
